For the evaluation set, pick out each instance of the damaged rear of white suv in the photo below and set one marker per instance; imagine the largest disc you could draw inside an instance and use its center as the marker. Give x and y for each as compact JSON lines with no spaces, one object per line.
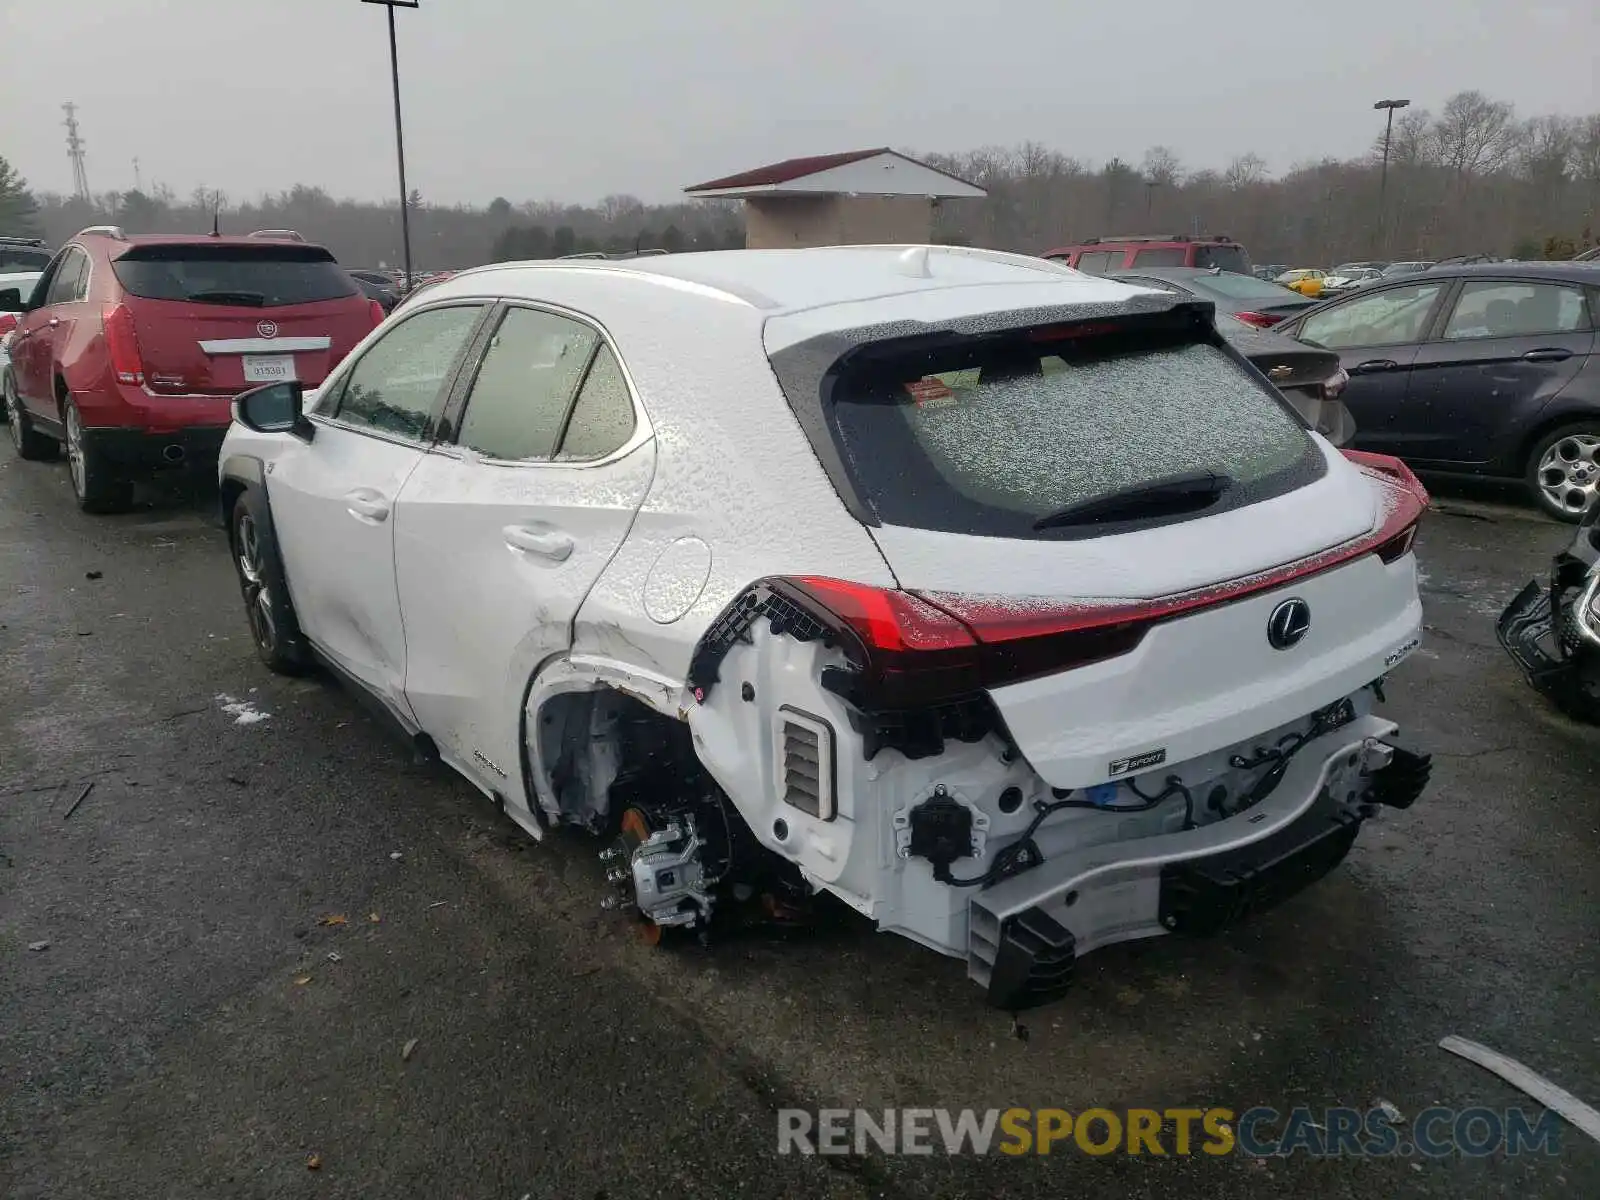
{"x":1085,"y":642}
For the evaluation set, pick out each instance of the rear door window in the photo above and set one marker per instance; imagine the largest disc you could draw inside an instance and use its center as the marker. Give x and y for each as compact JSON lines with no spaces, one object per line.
{"x":1167,"y":256}
{"x":1493,"y":309}
{"x":602,"y":416}
{"x":986,"y":435}
{"x":257,"y":276}
{"x":531,"y":370}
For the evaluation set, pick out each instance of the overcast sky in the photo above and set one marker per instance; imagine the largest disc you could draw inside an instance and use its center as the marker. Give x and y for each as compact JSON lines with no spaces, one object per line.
{"x":539,"y":99}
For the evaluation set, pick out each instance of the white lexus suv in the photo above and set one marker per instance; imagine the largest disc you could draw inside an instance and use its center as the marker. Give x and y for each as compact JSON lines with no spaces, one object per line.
{"x":1007,"y":605}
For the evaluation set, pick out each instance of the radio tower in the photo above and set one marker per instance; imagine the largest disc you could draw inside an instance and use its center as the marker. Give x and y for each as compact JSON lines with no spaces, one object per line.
{"x":80,"y":178}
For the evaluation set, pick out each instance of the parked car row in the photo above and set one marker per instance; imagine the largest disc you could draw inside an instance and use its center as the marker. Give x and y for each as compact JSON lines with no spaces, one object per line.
{"x":1488,"y":370}
{"x":1484,"y":368}
{"x":128,"y":350}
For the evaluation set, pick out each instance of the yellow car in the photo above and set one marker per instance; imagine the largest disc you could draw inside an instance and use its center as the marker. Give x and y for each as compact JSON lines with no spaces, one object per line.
{"x":1306,"y":280}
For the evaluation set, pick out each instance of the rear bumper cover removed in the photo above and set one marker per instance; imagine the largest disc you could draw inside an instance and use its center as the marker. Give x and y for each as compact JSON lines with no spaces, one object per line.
{"x":1025,"y":933}
{"x":1569,"y":674}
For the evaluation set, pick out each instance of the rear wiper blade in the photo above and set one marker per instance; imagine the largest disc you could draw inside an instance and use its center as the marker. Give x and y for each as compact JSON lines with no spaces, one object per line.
{"x":1171,"y":495}
{"x":250,"y":299}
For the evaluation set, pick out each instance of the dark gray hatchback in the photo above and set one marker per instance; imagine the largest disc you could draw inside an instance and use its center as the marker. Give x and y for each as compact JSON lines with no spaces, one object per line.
{"x":1487,"y":370}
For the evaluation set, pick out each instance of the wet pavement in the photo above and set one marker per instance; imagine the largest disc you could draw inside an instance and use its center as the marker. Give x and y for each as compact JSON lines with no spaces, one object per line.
{"x":202,"y":1024}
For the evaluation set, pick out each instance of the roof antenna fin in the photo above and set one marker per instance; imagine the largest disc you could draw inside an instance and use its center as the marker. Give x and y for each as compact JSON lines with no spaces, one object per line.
{"x":914,"y":262}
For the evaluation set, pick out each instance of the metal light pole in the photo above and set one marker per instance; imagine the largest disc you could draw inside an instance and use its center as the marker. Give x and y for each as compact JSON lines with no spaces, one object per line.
{"x":399,"y":133}
{"x":1383,"y":181}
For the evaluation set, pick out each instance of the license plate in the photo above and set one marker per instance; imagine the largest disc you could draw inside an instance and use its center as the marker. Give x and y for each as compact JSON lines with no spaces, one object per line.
{"x":268,"y":368}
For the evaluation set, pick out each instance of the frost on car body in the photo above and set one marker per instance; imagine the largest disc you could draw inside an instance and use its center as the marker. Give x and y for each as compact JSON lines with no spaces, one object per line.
{"x":1008,"y":606}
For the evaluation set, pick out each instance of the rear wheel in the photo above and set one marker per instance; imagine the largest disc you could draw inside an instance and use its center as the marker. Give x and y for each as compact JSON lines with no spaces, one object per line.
{"x":273,"y":627}
{"x":29,"y":442}
{"x":1563,"y":470}
{"x":96,"y":482}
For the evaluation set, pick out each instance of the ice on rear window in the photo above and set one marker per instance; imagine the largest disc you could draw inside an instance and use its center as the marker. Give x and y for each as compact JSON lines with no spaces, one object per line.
{"x":1027,"y":431}
{"x":1037,"y":443}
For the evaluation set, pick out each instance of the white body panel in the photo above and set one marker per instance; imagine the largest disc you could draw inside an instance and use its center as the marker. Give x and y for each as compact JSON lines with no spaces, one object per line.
{"x":493,"y":562}
{"x":474,"y":638}
{"x":332,"y":501}
{"x":1211,"y":679}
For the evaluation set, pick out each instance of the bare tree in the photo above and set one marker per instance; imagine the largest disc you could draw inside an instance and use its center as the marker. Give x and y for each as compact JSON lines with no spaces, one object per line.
{"x":1162,"y":166}
{"x":1245,"y":171}
{"x":1475,"y":134}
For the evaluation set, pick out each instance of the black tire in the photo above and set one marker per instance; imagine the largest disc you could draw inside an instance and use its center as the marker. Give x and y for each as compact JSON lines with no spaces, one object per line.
{"x":268,"y":610}
{"x":29,"y":442}
{"x":97,"y":483}
{"x":1570,"y":478}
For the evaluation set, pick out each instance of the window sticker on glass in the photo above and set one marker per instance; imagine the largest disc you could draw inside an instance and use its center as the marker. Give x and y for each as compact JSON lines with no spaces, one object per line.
{"x":931,"y":392}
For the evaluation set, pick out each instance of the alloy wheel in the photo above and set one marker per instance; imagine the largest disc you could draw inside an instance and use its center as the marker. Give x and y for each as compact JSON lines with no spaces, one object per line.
{"x":13,"y":413}
{"x":252,"y":581}
{"x":1569,"y":472}
{"x":75,"y":449}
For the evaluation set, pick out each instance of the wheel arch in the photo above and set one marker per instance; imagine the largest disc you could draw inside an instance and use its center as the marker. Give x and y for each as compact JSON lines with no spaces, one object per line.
{"x":566,"y":680}
{"x":1547,"y":424}
{"x":238,"y":474}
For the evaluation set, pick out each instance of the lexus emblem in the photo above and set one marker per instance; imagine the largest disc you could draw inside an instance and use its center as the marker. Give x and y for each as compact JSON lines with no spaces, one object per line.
{"x":267,"y":329}
{"x":1289,"y":624}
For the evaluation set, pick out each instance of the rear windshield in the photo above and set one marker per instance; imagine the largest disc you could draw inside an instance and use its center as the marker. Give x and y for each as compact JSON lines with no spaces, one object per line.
{"x":254,"y":276}
{"x":988,"y":434}
{"x":23,"y":258}
{"x":1229,"y":258}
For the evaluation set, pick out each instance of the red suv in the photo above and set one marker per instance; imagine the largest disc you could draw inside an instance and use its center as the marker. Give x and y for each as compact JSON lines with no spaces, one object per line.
{"x":131,"y":349}
{"x":1097,"y":256}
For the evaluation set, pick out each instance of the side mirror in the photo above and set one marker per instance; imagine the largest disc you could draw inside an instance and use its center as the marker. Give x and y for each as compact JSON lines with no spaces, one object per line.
{"x":274,"y":408}
{"x":11,"y":300}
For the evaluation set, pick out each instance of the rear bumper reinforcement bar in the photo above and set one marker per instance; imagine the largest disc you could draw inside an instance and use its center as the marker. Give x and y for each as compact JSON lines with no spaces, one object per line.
{"x":1025,"y":932}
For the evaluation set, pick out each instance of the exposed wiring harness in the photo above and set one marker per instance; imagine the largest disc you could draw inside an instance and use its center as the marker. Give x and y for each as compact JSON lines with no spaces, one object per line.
{"x":1279,"y":755}
{"x":1024,"y":853}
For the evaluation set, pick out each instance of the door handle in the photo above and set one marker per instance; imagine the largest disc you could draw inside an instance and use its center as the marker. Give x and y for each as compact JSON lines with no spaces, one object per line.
{"x":546,"y":543}
{"x":54,"y":321}
{"x":1374,"y":365}
{"x":1549,"y":354}
{"x":364,"y":504}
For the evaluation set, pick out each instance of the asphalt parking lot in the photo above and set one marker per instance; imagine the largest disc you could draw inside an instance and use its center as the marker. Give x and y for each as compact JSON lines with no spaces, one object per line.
{"x":201,"y":1024}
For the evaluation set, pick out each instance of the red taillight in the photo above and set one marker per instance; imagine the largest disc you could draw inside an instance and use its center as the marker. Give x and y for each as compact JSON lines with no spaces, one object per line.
{"x":1399,"y":530}
{"x":907,"y":652}
{"x":1259,"y":320}
{"x":1398,"y":546}
{"x":8,"y":322}
{"x":122,"y":343}
{"x":377,"y":312}
{"x":916,"y":649}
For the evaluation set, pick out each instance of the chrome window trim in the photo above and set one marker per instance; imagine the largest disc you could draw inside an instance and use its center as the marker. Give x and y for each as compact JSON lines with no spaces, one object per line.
{"x":368,"y":431}
{"x":643,"y":431}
